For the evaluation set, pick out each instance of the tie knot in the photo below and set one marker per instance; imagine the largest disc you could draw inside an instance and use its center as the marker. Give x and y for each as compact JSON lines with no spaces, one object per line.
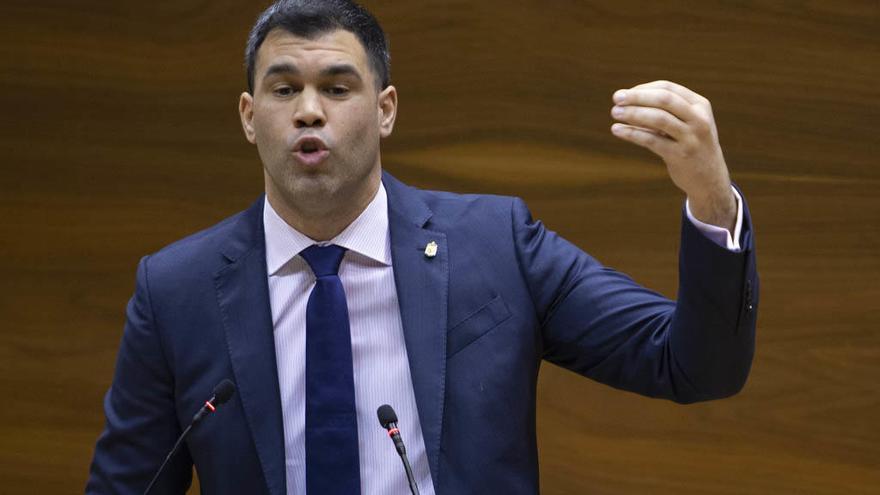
{"x":324,"y":260}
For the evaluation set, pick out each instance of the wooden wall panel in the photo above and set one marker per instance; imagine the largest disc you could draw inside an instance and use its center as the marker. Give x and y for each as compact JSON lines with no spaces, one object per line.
{"x":120,"y":134}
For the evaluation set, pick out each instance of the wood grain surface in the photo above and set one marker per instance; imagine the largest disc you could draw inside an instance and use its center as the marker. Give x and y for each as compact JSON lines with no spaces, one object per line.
{"x":119,"y":134}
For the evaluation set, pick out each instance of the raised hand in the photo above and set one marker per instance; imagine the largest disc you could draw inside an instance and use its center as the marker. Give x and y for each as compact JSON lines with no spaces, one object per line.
{"x":677,"y":124}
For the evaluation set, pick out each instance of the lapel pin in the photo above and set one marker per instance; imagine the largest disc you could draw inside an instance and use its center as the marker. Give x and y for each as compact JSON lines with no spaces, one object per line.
{"x":431,"y":249}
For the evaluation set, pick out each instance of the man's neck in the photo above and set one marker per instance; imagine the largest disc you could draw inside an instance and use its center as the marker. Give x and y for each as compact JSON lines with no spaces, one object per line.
{"x":321,"y":225}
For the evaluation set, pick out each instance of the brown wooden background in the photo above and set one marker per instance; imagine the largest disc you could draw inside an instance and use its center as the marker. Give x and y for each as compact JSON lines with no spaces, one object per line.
{"x":120,"y":134}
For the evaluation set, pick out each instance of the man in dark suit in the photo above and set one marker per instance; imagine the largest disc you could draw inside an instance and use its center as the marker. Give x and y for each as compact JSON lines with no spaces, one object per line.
{"x":448,"y":302}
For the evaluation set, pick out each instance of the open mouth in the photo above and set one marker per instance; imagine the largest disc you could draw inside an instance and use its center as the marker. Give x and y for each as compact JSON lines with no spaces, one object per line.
{"x":311,"y":156}
{"x":309,"y":148}
{"x":310,"y":151}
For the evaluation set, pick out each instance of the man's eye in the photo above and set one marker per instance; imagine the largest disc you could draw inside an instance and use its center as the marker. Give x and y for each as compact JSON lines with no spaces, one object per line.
{"x":283,"y":91}
{"x":337,"y":90}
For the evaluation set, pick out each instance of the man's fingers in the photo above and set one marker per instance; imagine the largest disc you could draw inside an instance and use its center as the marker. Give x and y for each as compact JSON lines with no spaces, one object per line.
{"x":655,"y":119}
{"x":659,"y":98}
{"x":678,"y":89}
{"x":660,"y":145}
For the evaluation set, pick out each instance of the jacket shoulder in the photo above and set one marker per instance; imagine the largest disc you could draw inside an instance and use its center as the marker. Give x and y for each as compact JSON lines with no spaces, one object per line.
{"x":463,"y":209}
{"x":206,"y":251}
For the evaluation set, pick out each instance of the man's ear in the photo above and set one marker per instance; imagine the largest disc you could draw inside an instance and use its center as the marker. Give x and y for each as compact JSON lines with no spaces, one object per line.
{"x":387,"y":110}
{"x":246,"y":112}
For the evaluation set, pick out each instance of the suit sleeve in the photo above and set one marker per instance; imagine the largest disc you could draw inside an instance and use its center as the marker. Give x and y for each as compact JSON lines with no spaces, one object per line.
{"x":141,"y":422}
{"x":598,"y":322}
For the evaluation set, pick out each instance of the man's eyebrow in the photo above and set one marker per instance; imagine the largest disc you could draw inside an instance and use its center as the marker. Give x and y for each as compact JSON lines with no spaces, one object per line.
{"x":333,"y":70}
{"x":281,"y":69}
{"x":341,"y":70}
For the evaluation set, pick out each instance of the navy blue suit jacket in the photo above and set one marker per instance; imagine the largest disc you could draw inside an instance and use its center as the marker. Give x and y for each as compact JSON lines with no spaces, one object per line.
{"x":502,"y":293}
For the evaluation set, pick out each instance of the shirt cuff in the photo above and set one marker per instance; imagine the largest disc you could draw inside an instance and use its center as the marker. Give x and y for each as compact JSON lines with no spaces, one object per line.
{"x":720,"y":235}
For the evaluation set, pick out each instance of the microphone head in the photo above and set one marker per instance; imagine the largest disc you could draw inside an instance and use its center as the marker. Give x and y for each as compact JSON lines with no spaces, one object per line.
{"x":386,"y":415}
{"x":223,"y":391}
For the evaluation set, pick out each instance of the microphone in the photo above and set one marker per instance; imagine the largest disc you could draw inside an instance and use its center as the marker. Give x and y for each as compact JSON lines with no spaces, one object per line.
{"x":388,"y":420}
{"x":222,"y":393}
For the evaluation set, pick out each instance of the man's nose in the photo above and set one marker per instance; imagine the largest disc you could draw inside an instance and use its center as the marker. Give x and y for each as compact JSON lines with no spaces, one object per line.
{"x":309,"y":111}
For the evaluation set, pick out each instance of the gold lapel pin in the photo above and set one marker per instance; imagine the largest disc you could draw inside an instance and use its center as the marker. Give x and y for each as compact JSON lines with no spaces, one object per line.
{"x":431,"y":249}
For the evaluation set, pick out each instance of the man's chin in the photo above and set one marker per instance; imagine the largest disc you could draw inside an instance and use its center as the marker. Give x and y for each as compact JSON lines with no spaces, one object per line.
{"x":318,"y":191}
{"x":312,"y":188}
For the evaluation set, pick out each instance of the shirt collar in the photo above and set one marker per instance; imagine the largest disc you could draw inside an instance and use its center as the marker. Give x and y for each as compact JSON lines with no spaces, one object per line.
{"x":366,"y":235}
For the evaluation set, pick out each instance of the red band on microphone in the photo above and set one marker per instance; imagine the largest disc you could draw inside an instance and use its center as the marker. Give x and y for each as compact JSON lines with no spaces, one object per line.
{"x":393,"y":431}
{"x":210,"y":406}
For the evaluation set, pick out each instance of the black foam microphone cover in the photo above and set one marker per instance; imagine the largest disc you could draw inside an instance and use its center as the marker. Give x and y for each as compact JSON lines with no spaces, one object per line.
{"x":386,"y":415}
{"x":223,"y":392}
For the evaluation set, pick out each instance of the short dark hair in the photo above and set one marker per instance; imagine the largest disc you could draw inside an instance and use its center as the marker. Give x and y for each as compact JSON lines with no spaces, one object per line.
{"x":312,"y":18}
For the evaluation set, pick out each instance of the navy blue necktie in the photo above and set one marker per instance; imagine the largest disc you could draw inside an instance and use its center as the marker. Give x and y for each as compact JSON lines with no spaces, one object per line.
{"x":332,"y":465}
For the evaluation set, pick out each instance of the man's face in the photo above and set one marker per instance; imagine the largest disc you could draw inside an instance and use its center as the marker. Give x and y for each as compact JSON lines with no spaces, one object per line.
{"x":316,"y":117}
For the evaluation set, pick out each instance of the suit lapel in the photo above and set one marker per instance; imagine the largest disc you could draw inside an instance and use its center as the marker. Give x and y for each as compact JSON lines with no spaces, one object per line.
{"x":243,"y":296}
{"x":422,"y":291}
